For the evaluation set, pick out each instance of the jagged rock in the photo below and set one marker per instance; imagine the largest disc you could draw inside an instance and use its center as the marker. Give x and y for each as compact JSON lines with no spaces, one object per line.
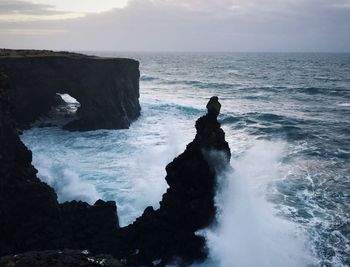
{"x":59,"y":258}
{"x":32,"y":219}
{"x":214,"y":106}
{"x":106,"y":88}
{"x":27,"y":205}
{"x":89,"y":227}
{"x":30,"y":216}
{"x":187,"y":206}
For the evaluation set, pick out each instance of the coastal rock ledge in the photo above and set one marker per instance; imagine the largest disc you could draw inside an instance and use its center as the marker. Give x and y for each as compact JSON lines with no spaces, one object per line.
{"x":106,"y":88}
{"x":35,"y":227}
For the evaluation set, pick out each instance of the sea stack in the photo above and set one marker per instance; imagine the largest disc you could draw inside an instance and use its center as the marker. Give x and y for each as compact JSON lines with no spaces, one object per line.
{"x":169,"y":233}
{"x":32,"y":220}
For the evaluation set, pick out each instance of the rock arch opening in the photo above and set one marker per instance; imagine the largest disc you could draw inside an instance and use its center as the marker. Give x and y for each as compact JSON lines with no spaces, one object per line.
{"x":107,"y":88}
{"x":65,"y":109}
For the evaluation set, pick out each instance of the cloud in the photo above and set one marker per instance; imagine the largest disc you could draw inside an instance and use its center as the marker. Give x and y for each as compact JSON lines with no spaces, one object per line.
{"x":15,"y":7}
{"x":30,"y":32}
{"x":17,"y":10}
{"x":203,"y":25}
{"x":84,"y":6}
{"x":49,"y":7}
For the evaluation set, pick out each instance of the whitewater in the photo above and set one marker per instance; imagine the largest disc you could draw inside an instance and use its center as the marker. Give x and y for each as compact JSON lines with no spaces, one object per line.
{"x":286,"y":201}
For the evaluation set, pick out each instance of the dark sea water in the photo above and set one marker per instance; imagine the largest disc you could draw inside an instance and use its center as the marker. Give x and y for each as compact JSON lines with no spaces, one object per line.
{"x":287,"y":120}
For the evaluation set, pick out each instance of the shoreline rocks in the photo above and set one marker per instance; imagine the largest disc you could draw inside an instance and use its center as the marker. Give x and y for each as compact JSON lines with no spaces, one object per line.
{"x":30,"y":216}
{"x":169,"y":233}
{"x":106,"y":88}
{"x":60,"y":258}
{"x":31,"y":219}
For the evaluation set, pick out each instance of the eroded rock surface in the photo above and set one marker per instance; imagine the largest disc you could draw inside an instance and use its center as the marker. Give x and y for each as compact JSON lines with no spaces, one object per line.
{"x":59,"y":258}
{"x":169,"y":233}
{"x":106,"y":88}
{"x":32,"y":219}
{"x":30,"y":216}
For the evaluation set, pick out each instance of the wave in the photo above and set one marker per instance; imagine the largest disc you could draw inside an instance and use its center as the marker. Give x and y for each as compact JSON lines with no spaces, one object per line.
{"x":249,"y":233}
{"x":256,"y":97}
{"x":269,"y":117}
{"x":145,"y":77}
{"x":311,"y":90}
{"x":322,"y":91}
{"x":66,"y":183}
{"x":201,"y":84}
{"x":343,"y":104}
{"x":268,"y":125}
{"x":188,"y":110}
{"x":262,"y":118}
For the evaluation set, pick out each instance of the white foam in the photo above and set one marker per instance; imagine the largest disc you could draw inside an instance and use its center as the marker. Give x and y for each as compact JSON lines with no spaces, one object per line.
{"x":148,"y":169}
{"x":68,"y":99}
{"x":66,"y":183}
{"x":344,"y":104}
{"x":249,"y":234}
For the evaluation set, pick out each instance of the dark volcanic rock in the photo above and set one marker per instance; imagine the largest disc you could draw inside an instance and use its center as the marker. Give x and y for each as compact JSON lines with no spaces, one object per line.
{"x":89,"y":227}
{"x":30,"y":216}
{"x":32,"y":219}
{"x":58,"y":258}
{"x":106,"y":88}
{"x":187,"y":206}
{"x":27,"y":205}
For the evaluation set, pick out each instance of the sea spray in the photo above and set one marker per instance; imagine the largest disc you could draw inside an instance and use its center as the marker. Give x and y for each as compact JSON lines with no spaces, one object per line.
{"x":124,"y":166}
{"x":66,"y":183}
{"x":316,"y":127}
{"x":249,"y":233}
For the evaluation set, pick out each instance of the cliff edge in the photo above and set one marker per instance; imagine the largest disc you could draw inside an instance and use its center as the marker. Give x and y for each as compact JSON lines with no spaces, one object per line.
{"x":170,"y":232}
{"x":30,"y":216}
{"x":31,"y":219}
{"x":106,"y":88}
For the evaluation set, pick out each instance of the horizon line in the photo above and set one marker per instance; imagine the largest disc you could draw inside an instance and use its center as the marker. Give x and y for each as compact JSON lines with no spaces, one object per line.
{"x":178,"y":51}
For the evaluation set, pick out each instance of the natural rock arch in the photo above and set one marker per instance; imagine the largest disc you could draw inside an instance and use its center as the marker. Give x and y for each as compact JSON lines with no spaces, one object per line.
{"x":32,"y":219}
{"x":106,"y":88}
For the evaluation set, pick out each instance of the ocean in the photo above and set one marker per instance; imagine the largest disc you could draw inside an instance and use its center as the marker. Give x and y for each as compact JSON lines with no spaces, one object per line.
{"x":287,"y":120}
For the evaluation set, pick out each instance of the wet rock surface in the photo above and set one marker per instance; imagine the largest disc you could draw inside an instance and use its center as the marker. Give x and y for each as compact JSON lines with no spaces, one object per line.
{"x":31,"y":219}
{"x":169,"y":233}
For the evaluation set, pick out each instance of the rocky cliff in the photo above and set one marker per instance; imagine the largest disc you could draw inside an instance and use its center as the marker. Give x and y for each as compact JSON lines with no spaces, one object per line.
{"x":30,"y":216}
{"x":106,"y":88}
{"x":60,"y":258}
{"x":32,"y":219}
{"x":169,"y":233}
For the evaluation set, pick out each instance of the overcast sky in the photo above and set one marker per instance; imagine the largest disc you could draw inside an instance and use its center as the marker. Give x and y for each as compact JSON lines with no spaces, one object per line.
{"x":176,"y":25}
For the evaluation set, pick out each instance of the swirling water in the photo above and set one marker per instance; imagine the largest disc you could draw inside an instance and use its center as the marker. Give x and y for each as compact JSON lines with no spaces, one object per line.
{"x":287,"y":120}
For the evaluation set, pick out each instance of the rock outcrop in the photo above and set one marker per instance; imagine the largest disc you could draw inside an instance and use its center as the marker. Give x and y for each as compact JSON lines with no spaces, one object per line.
{"x":30,"y":216}
{"x":106,"y":88}
{"x":27,"y":205}
{"x":32,"y":219}
{"x":59,"y":258}
{"x":169,"y":233}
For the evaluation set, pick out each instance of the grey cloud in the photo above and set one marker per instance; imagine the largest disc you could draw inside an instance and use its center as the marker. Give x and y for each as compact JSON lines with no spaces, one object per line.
{"x":203,"y":25}
{"x":10,"y":7}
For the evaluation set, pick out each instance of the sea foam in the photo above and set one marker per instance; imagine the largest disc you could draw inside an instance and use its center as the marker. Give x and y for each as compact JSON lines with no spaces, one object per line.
{"x":66,"y":183}
{"x":249,"y":233}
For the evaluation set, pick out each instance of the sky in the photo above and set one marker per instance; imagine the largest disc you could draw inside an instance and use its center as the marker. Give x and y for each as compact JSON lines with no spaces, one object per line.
{"x":177,"y":25}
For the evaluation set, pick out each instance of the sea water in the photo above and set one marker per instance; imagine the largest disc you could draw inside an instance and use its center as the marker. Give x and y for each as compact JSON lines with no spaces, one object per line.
{"x":287,"y":120}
